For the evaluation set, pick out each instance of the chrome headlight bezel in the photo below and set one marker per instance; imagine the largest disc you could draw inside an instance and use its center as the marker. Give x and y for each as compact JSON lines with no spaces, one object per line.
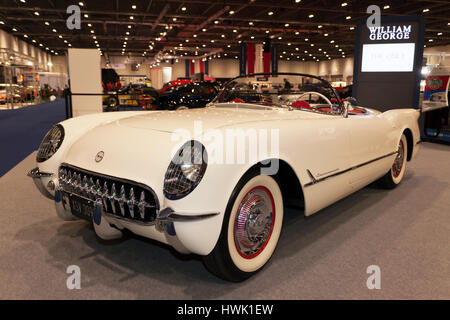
{"x":51,"y":143}
{"x":183,"y":176}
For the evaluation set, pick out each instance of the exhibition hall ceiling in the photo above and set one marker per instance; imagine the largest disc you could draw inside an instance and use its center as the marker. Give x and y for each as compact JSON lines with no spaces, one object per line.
{"x":303,"y":29}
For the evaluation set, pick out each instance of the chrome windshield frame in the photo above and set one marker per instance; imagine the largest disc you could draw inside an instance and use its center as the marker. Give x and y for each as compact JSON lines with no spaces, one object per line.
{"x":276,"y":74}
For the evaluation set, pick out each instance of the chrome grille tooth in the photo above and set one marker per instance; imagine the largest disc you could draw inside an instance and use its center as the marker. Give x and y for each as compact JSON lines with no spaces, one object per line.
{"x":141,"y":205}
{"x":98,"y":189}
{"x":112,"y":198}
{"x":131,"y":202}
{"x":85,"y":186}
{"x":91,"y":190}
{"x":122,"y":200}
{"x":105,"y":195}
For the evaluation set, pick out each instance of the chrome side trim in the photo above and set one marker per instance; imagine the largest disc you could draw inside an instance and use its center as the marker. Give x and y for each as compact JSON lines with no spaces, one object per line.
{"x":315,"y":181}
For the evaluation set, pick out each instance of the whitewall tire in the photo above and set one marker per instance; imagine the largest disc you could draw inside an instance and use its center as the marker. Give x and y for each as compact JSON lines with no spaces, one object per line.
{"x":397,"y":171}
{"x":251,"y":229}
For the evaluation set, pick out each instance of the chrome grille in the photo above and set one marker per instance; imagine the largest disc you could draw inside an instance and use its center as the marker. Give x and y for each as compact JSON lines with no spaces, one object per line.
{"x":120,"y":198}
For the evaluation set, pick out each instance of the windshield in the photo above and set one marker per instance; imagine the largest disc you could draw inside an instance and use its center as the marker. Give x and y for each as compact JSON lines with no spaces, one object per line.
{"x":287,"y":90}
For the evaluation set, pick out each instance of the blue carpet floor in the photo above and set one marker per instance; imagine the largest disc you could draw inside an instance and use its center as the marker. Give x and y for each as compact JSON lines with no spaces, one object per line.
{"x":22,"y":130}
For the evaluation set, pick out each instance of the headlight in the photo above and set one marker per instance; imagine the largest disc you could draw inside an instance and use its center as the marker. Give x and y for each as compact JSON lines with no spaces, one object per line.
{"x":51,"y":143}
{"x":186,"y":170}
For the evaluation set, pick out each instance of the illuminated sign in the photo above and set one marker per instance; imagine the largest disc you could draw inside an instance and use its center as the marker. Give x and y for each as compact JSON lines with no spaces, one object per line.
{"x":388,"y":57}
{"x":390,"y":33}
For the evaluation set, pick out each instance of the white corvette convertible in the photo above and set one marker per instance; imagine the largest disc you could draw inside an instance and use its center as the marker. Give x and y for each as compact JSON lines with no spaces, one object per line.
{"x":215,"y":181}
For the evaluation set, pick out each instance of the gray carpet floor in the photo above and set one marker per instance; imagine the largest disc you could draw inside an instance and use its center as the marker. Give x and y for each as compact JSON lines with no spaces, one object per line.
{"x":406,"y":232}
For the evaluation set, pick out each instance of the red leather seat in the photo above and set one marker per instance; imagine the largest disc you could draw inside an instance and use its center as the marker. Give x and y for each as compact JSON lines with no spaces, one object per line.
{"x":238,"y":100}
{"x":301,"y":104}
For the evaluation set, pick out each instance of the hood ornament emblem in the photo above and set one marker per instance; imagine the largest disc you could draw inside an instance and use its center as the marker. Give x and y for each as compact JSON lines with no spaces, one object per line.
{"x":99,"y":156}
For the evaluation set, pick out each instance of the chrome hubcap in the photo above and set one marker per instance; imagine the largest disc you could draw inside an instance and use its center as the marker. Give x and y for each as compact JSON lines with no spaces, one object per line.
{"x":254,"y":222}
{"x":398,"y":162}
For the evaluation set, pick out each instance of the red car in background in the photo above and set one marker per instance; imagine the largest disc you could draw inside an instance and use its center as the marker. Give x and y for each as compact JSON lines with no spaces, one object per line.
{"x":172,"y":84}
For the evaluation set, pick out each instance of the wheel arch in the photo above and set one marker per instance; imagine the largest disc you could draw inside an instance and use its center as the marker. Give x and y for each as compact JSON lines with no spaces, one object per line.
{"x":410,"y":141}
{"x":287,"y":179}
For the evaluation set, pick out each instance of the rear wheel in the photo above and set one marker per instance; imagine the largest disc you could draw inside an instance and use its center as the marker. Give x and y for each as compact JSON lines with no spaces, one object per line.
{"x":250,"y":230}
{"x":395,"y":175}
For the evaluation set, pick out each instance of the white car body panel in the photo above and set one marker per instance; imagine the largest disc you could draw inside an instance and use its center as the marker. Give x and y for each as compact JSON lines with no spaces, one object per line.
{"x":139,"y":146}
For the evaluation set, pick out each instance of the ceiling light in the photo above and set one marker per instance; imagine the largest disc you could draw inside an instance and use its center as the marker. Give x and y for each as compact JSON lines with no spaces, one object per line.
{"x":279,"y":38}
{"x":133,"y":7}
{"x":174,"y":19}
{"x":426,"y":10}
{"x":267,"y":31}
{"x":332,"y":41}
{"x":54,"y":30}
{"x":129,"y":26}
{"x":47,"y":23}
{"x":306,"y":39}
{"x":386,"y":7}
{"x":325,"y":35}
{"x":36,"y":13}
{"x":86,"y":15}
{"x":250,"y":23}
{"x":81,"y":4}
{"x":204,"y":30}
{"x":286,"y":25}
{"x":183,"y":9}
{"x":344,"y":4}
{"x":270,"y":13}
{"x":216,"y":22}
{"x":131,"y":17}
{"x":348,"y":17}
{"x":297,"y":33}
{"x":439,"y":34}
{"x":311,"y":16}
{"x":352,"y":28}
{"x":231,"y":12}
{"x":13,"y":29}
{"x":320,"y":26}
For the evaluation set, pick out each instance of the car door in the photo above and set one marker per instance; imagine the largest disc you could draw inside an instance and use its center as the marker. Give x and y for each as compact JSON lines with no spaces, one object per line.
{"x":371,"y":147}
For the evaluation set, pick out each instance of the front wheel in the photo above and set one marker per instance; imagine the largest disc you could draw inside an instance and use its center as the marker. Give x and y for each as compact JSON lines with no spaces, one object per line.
{"x":250,"y":230}
{"x":395,"y":175}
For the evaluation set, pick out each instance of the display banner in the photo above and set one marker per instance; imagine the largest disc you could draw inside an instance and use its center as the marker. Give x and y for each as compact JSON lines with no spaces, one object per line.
{"x":206,"y":67}
{"x":274,"y":58}
{"x":187,"y":67}
{"x":259,"y":58}
{"x":388,"y":62}
{"x":266,"y":55}
{"x":242,"y":59}
{"x":250,"y":58}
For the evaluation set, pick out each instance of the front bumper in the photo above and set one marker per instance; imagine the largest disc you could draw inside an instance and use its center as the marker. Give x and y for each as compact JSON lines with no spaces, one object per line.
{"x":162,"y":228}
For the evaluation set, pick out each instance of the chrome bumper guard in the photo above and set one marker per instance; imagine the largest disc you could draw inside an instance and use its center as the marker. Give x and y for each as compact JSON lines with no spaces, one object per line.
{"x":36,"y":175}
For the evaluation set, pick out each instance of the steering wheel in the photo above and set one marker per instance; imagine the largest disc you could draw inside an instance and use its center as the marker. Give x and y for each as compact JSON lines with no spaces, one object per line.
{"x":315,"y":93}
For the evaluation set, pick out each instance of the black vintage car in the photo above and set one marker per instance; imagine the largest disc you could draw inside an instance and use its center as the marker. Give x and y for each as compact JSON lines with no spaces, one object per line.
{"x":191,"y":95}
